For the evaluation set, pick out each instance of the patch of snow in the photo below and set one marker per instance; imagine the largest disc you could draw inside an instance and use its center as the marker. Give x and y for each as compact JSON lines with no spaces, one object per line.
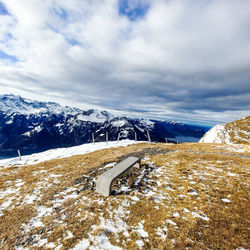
{"x":50,"y":245}
{"x":19,"y":184}
{"x":176,"y":214}
{"x":55,"y":175}
{"x":64,"y":152}
{"x":139,"y":243}
{"x":216,"y":134}
{"x":101,"y":241}
{"x":141,"y":231}
{"x":36,"y":221}
{"x":4,"y":193}
{"x":83,"y":244}
{"x":114,"y":224}
{"x":96,"y":117}
{"x":39,"y":242}
{"x":124,"y":133}
{"x":186,"y":210}
{"x":9,"y":121}
{"x":193,"y":193}
{"x":225,"y":200}
{"x":125,"y":203}
{"x":231,"y":174}
{"x":112,"y":164}
{"x":200,"y":216}
{"x":170,"y":189}
{"x":65,"y":196}
{"x":118,"y":123}
{"x":147,"y":123}
{"x":68,"y":235}
{"x":139,"y":128}
{"x":134,"y":198}
{"x":162,"y":232}
{"x":7,"y":203}
{"x":29,"y":199}
{"x":171,"y":222}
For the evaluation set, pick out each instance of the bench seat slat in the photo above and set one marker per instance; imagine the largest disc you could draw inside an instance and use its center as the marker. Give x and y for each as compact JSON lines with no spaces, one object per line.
{"x":104,"y":181}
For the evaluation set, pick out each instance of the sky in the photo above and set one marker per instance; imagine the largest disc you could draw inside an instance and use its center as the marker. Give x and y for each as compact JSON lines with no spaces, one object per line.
{"x":186,"y":60}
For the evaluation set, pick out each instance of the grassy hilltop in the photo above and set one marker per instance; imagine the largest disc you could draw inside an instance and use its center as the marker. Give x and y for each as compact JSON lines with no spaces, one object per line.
{"x":186,"y":195}
{"x":236,"y":132}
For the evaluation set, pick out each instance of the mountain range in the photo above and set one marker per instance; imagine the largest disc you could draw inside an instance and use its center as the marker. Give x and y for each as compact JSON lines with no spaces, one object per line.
{"x":34,"y":126}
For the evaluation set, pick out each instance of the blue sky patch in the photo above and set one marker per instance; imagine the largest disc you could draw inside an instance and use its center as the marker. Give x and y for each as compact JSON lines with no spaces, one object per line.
{"x":73,"y":42}
{"x":3,"y":10}
{"x":61,"y":13}
{"x":133,"y":10}
{"x":70,"y":41}
{"x":5,"y":56}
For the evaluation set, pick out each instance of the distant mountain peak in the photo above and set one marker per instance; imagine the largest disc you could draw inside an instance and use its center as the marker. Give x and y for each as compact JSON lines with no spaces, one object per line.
{"x":10,"y":103}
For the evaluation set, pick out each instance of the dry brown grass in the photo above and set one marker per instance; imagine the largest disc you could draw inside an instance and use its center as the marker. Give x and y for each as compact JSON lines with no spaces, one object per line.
{"x":239,"y":130}
{"x":228,"y":224}
{"x":188,"y":167}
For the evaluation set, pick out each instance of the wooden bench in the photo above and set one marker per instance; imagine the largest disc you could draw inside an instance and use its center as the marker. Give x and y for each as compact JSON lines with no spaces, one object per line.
{"x":104,"y":181}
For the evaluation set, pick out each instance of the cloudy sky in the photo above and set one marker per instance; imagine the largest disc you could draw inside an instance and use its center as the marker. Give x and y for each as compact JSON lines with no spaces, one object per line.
{"x":165,"y":59}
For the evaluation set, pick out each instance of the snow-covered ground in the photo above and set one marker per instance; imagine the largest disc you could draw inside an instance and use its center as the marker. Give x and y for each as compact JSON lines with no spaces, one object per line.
{"x":216,"y":134}
{"x":63,"y":152}
{"x":236,"y":132}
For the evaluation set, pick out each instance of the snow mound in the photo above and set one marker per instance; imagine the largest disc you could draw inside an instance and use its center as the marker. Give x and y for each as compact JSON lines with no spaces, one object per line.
{"x":216,"y":134}
{"x":236,"y":132}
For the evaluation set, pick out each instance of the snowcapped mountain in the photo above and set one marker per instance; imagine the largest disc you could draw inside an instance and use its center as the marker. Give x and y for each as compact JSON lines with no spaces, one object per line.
{"x":230,"y":133}
{"x":33,"y":126}
{"x":11,"y":104}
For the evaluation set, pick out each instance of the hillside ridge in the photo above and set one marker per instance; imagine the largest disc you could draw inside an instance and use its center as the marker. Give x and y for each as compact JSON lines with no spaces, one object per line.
{"x":236,"y":132}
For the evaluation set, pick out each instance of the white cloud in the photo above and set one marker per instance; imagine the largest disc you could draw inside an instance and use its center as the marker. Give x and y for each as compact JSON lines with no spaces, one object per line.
{"x":185,"y":59}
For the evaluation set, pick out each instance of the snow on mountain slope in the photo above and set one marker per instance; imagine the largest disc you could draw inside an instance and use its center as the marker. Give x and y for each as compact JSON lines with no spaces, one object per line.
{"x":12,"y":104}
{"x":63,"y":152}
{"x":118,"y":123}
{"x":34,"y":126}
{"x":96,"y":116}
{"x":236,"y":132}
{"x":17,"y":104}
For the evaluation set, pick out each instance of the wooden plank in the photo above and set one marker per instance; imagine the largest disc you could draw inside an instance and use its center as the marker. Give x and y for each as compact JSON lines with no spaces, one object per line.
{"x":149,"y":139}
{"x":19,"y":155}
{"x":104,"y":181}
{"x":118,"y":138}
